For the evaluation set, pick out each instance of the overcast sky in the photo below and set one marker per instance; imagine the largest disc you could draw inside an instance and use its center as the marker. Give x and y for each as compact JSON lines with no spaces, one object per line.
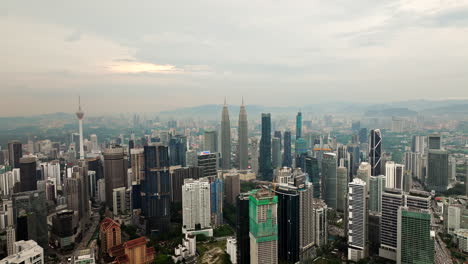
{"x":135,"y":56}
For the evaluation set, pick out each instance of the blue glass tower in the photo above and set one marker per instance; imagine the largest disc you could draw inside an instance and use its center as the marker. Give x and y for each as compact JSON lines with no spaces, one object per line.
{"x":298,"y":125}
{"x":287,"y":156}
{"x":266,"y":169}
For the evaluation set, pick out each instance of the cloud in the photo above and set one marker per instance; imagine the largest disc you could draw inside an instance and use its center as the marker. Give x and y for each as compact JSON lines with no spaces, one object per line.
{"x":139,"y":67}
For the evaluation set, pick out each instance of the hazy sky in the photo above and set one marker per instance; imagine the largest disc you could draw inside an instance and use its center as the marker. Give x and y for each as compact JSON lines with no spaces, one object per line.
{"x":127,"y":56}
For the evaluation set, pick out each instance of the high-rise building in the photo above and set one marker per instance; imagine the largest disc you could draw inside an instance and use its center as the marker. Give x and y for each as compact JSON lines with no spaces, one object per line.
{"x":243,"y":138}
{"x":137,"y":161}
{"x":320,"y":223}
{"x":231,"y":186}
{"x":80,"y":116}
{"x":242,"y":229}
{"x":225,"y":138}
{"x":263,"y":227}
{"x":313,"y":170}
{"x":415,"y":241}
{"x":364,"y":172}
{"x":418,"y":144}
{"x":298,"y":125}
{"x":392,"y":199}
{"x":110,"y":234}
{"x":434,"y":142}
{"x":15,"y":152}
{"x":122,"y":201}
{"x":342,"y":187}
{"x":376,"y":188}
{"x":177,"y":149}
{"x":28,"y":178}
{"x":288,"y":223}
{"x":94,"y":143}
{"x":191,"y":158}
{"x":287,"y":154}
{"x":115,"y":171}
{"x":209,"y":163}
{"x":357,"y":220}
{"x":437,"y":170}
{"x":266,"y":169}
{"x":177,"y":180}
{"x":276,"y":152}
{"x":196,"y":206}
{"x":30,"y":216}
{"x":329,"y":180}
{"x":211,"y":141}
{"x":394,"y":175}
{"x":217,"y":195}
{"x":375,"y":152}
{"x":156,"y":201}
{"x":254,"y":157}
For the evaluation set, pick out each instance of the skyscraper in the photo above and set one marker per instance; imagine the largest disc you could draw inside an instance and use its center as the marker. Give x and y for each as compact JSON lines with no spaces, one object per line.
{"x":263,"y":226}
{"x":392,"y":199}
{"x":418,"y":143}
{"x":242,"y":229}
{"x":376,"y":188}
{"x":276,"y":152}
{"x":287,"y":155}
{"x":357,"y":220}
{"x":80,"y":116}
{"x":394,"y":175}
{"x":211,"y":141}
{"x":243,"y":138}
{"x":298,"y":125}
{"x":254,"y":160}
{"x":15,"y":152}
{"x":437,"y":170}
{"x":329,"y":180}
{"x":313,"y":170}
{"x":434,"y":142}
{"x":232,"y":186}
{"x":156,"y":202}
{"x":375,"y":151}
{"x":28,"y":178}
{"x":415,"y":242}
{"x":364,"y":172}
{"x":217,"y":194}
{"x":196,"y":206}
{"x":225,"y":138}
{"x":209,"y":163}
{"x":115,"y":171}
{"x":342,"y":187}
{"x":266,"y":170}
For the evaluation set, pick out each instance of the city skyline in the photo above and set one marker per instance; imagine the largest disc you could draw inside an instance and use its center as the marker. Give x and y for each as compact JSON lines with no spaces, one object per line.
{"x":405,"y":49}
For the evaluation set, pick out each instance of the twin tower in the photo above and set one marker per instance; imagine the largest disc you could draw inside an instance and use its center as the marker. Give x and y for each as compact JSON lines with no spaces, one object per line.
{"x":243,"y":143}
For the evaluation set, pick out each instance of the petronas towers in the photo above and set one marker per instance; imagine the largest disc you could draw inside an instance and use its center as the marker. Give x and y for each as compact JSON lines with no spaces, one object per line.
{"x":243,"y":154}
{"x":243,"y":138}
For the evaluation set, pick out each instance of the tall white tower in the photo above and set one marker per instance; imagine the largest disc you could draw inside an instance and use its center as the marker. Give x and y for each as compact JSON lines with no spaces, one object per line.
{"x":80,"y":115}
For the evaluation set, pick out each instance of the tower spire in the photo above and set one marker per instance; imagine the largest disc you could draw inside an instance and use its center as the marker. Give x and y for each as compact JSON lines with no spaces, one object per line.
{"x":225,"y":101}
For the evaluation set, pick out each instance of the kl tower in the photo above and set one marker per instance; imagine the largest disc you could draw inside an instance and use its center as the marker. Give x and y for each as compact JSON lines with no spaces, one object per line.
{"x":80,"y":115}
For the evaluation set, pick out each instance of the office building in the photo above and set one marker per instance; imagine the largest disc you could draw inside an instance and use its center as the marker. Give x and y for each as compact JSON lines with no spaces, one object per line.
{"x":276,"y":152}
{"x":137,"y":161}
{"x":288,"y":223}
{"x":298,"y":125}
{"x":263,"y":227}
{"x":364,"y":172}
{"x":375,"y":152}
{"x":342,"y":187}
{"x":394,"y":175}
{"x":210,"y":141}
{"x":62,"y":234}
{"x":376,"y":188}
{"x":357,"y":220}
{"x":287,"y":154}
{"x":418,"y":144}
{"x":415,"y":238}
{"x":156,"y":201}
{"x":434,"y":142}
{"x":437,"y":170}
{"x":209,"y":163}
{"x":26,"y":252}
{"x":28,"y":178}
{"x":178,"y":176}
{"x":225,"y":138}
{"x":15,"y":152}
{"x":231,"y":186}
{"x":320,"y":222}
{"x":115,"y":171}
{"x":329,"y":180}
{"x":177,"y":149}
{"x":392,"y":199}
{"x":266,"y":169}
{"x":216,"y":200}
{"x":242,"y":229}
{"x":196,"y":206}
{"x":122,"y":201}
{"x":243,"y":141}
{"x":254,"y":155}
{"x":191,"y":158}
{"x":30,"y":216}
{"x":313,"y":170}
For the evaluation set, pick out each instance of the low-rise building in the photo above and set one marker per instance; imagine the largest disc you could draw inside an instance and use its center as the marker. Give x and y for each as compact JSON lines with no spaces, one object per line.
{"x":26,"y":252}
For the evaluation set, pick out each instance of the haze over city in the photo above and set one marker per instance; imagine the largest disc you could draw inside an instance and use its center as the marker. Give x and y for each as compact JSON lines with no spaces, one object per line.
{"x":151,"y":56}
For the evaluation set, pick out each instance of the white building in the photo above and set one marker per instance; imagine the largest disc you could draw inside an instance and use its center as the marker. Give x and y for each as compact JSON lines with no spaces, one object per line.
{"x":357,"y":220}
{"x":364,"y":172}
{"x":101,"y":190}
{"x":26,"y":252}
{"x":121,"y":198}
{"x":231,"y":249}
{"x":94,"y":143}
{"x":196,"y":208}
{"x":85,"y":256}
{"x":462,"y":239}
{"x":394,"y":175}
{"x":453,"y":218}
{"x":187,"y":250}
{"x":283,"y":175}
